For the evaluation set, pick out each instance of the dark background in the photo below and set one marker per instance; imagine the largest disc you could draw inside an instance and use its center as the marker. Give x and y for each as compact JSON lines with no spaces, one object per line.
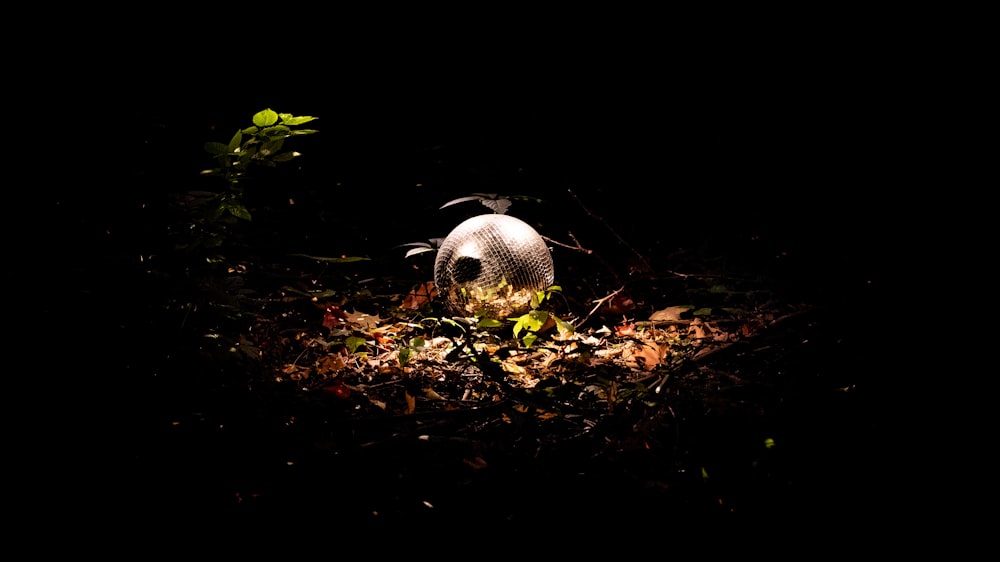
{"x":795,"y":140}
{"x":788,"y":145}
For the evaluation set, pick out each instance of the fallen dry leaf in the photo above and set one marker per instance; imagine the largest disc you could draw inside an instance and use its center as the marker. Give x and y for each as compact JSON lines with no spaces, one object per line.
{"x":330,"y":363}
{"x":511,"y":367}
{"x":625,"y":330}
{"x":333,"y":317}
{"x":362,"y":320}
{"x":645,"y":355}
{"x":420,"y":296}
{"x":669,"y":314}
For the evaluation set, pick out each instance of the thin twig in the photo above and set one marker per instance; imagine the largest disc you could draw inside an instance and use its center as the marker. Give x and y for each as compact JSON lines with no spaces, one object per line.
{"x":611,"y":230}
{"x":578,"y":247}
{"x":599,"y":302}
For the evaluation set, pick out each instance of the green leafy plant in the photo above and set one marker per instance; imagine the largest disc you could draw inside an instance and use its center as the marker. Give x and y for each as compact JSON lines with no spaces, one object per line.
{"x":211,"y":295}
{"x":414,"y":345}
{"x":261,"y":144}
{"x":213,"y":213}
{"x":533,"y":321}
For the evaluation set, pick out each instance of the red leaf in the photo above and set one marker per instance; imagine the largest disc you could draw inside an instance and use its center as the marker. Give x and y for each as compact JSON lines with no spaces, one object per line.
{"x":338,"y":389}
{"x":333,"y":317}
{"x":625,"y":330}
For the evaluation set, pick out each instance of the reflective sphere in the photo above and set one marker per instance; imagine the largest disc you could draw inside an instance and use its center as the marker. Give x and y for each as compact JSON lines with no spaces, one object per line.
{"x":491,"y":265}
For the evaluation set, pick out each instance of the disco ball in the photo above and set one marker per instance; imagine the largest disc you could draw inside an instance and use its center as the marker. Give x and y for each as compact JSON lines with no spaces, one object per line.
{"x":491,"y":265}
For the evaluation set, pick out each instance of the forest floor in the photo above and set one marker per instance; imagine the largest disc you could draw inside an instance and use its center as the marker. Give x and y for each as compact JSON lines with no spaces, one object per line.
{"x":296,"y":388}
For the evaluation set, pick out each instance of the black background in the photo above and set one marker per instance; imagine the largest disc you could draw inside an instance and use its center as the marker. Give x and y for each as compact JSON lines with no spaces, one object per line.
{"x":798,"y":141}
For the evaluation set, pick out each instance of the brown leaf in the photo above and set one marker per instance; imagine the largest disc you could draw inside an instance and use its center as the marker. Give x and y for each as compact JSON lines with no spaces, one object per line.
{"x":645,"y":354}
{"x":648,"y":355}
{"x":419,"y":296}
{"x":330,"y":363}
{"x":362,"y":320}
{"x":697,"y":331}
{"x":669,"y":314}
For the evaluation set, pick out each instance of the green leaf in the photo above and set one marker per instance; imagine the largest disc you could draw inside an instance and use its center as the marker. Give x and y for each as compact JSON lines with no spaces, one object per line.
{"x":563,"y":326}
{"x":216,"y":148}
{"x":290,"y":120}
{"x":529,"y":339}
{"x":532,"y":321}
{"x":246,"y":156}
{"x":489,"y":323}
{"x":276,"y":131}
{"x":235,"y":142}
{"x":272,"y":146}
{"x":537,"y":298}
{"x":237,"y":209}
{"x":536,"y":319}
{"x":265,"y":118}
{"x":518,"y":326}
{"x":702,"y":312}
{"x":353,"y":343}
{"x":285,"y":156}
{"x":404,"y":356}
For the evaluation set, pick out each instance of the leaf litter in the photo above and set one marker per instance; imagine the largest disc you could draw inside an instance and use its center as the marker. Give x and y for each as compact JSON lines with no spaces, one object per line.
{"x":376,"y":367}
{"x":398,"y":355}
